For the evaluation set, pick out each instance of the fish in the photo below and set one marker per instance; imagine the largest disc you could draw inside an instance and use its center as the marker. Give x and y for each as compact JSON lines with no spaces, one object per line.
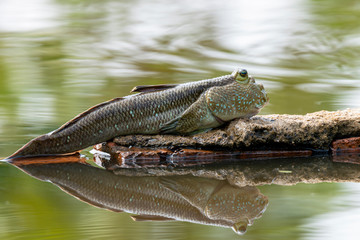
{"x":153,"y":198}
{"x":183,"y":109}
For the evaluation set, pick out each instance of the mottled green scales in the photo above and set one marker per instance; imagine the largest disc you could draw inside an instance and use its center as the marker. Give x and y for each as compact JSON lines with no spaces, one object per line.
{"x":219,"y":104}
{"x":177,"y":109}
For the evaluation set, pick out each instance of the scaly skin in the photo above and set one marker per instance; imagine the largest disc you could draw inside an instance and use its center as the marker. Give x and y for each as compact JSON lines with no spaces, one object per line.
{"x":163,"y":109}
{"x":183,"y":198}
{"x":220,"y":104}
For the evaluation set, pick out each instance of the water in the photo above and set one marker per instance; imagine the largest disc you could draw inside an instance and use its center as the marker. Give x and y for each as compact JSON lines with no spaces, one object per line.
{"x":58,"y":58}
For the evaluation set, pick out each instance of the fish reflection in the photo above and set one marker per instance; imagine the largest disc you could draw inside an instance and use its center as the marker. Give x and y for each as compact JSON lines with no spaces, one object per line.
{"x":183,"y":198}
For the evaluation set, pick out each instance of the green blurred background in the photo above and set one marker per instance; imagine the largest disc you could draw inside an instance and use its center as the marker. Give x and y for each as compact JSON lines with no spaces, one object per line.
{"x":60,"y":57}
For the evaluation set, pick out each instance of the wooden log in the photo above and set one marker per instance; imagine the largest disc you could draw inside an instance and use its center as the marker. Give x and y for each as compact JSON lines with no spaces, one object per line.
{"x":261,"y":137}
{"x":147,"y":157}
{"x":351,"y":145}
{"x":311,"y":131}
{"x":346,"y":150}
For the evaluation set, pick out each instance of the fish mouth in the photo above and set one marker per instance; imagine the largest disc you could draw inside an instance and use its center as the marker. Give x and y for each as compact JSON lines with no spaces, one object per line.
{"x":263,"y":99}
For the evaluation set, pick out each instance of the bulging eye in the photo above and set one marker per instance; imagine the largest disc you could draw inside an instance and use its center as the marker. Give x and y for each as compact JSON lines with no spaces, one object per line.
{"x":243,"y":73}
{"x":243,"y":76}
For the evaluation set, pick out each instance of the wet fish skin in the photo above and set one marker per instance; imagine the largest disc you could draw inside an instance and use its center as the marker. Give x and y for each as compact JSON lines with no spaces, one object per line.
{"x":152,"y":112}
{"x":220,"y":200}
{"x":220,"y":104}
{"x":138,"y":195}
{"x":184,"y":198}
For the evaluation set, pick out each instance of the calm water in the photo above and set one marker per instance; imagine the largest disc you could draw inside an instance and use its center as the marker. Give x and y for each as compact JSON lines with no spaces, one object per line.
{"x":58,"y":58}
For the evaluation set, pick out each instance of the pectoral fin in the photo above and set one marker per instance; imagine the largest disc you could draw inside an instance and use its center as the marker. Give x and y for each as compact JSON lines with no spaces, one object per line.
{"x":196,"y":118}
{"x":194,"y":190}
{"x":145,"y":218}
{"x":152,"y":88}
{"x":170,"y":127}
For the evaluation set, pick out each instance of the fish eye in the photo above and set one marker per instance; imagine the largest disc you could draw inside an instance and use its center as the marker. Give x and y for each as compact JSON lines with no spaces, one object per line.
{"x":243,"y":73}
{"x":243,"y":76}
{"x":240,"y":227}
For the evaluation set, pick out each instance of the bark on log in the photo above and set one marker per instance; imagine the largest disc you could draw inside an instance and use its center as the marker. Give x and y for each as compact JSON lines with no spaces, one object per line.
{"x":314,"y":130}
{"x":267,"y":136}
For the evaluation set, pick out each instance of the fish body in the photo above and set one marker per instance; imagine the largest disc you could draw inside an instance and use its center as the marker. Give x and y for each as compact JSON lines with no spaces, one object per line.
{"x":177,"y":109}
{"x":182,"y":198}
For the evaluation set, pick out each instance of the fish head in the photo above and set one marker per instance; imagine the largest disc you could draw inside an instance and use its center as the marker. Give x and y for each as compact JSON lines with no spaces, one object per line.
{"x":238,"y":205}
{"x":256,"y":91}
{"x":261,"y":97}
{"x":243,"y":98}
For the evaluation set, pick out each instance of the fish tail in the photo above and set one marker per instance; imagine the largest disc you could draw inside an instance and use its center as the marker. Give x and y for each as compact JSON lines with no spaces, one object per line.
{"x":33,"y":148}
{"x":50,"y":144}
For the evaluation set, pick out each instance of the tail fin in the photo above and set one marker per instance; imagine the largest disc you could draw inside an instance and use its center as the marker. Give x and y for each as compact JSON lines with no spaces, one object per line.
{"x":34,"y":147}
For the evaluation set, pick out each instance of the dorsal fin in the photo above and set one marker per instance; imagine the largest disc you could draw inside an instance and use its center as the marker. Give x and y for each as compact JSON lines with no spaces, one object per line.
{"x":83,"y":114}
{"x":152,"y":88}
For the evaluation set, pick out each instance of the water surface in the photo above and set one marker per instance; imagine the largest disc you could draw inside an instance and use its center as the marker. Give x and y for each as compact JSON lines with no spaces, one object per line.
{"x":58,"y":58}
